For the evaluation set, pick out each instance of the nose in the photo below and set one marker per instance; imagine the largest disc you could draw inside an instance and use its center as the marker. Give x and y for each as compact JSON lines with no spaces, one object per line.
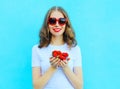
{"x":57,"y":24}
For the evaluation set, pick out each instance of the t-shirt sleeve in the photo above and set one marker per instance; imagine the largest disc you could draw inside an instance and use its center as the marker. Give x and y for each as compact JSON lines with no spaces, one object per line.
{"x":35,"y":57}
{"x":78,"y":57}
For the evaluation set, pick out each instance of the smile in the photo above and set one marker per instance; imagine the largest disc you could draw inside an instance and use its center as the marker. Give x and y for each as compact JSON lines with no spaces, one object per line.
{"x":56,"y":29}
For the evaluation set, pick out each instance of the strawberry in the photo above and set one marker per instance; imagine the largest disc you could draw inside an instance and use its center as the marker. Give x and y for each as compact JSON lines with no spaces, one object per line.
{"x":59,"y":52}
{"x":54,"y":53}
{"x":65,"y":54}
{"x":62,"y":57}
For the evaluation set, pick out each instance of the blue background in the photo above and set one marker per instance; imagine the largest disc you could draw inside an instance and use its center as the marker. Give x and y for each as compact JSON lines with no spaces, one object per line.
{"x":97,"y":27}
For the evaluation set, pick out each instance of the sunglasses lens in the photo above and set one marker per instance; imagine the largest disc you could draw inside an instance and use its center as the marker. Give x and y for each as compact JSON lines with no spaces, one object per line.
{"x":52,"y":21}
{"x":62,"y":21}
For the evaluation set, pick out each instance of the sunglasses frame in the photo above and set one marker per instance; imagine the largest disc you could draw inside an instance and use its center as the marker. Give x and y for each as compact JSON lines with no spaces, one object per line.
{"x":56,"y":20}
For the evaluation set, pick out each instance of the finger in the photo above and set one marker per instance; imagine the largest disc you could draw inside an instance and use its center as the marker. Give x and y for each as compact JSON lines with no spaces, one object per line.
{"x":59,"y":63}
{"x":54,"y":61}
{"x":62,"y":64}
{"x":65,"y":61}
{"x":51,"y":58}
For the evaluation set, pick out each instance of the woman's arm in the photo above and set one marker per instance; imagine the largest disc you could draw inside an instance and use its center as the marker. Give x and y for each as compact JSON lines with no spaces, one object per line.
{"x":74,"y":77}
{"x":39,"y":80}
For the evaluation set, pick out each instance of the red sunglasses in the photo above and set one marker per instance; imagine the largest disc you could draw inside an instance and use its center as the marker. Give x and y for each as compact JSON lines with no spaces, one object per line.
{"x":53,"y":21}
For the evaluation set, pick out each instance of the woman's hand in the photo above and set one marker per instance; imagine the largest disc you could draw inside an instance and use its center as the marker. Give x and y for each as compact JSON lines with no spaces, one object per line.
{"x":54,"y":62}
{"x":63,"y":63}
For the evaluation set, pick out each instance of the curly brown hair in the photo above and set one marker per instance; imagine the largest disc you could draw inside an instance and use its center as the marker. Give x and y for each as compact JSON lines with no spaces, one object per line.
{"x":45,"y":35}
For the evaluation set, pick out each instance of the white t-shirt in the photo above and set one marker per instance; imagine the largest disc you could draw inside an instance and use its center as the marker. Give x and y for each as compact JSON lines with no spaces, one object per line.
{"x":41,"y":57}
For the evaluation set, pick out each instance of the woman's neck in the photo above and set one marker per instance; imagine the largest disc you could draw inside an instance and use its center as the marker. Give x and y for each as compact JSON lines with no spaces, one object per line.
{"x":57,"y":40}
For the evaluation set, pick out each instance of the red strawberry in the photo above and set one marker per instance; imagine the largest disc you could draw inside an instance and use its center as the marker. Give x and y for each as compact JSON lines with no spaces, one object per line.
{"x":62,"y":57}
{"x":59,"y":52}
{"x":65,"y":54}
{"x":54,"y":53}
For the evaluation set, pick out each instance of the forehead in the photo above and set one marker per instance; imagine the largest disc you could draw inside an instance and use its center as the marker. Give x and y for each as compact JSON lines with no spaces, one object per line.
{"x":56,"y":14}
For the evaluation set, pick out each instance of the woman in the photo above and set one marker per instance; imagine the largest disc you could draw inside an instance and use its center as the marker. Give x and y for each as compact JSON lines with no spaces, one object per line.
{"x":51,"y":72}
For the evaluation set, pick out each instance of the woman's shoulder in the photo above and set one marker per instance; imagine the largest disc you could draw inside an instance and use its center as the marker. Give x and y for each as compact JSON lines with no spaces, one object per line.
{"x":77,"y":47}
{"x":36,"y":47}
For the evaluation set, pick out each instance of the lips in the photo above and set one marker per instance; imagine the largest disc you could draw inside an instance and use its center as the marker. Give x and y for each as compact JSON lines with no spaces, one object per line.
{"x":56,"y":29}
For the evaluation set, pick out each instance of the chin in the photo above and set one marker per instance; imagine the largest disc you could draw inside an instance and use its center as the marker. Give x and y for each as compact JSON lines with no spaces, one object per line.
{"x":58,"y":34}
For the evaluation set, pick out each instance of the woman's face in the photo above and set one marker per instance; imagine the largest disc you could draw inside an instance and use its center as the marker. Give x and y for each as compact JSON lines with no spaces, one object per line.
{"x":58,"y":28}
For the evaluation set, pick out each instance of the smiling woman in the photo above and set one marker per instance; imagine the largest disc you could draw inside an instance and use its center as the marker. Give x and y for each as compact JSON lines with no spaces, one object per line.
{"x":47,"y":70}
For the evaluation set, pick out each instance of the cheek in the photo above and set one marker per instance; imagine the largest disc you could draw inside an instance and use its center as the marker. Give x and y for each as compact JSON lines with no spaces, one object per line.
{"x":63,"y":28}
{"x":50,"y":28}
